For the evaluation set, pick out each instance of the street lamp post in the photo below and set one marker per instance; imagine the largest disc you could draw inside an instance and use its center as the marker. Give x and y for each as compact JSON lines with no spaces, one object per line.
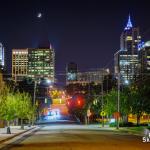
{"x":118,"y":101}
{"x":34,"y":96}
{"x":102,"y":92}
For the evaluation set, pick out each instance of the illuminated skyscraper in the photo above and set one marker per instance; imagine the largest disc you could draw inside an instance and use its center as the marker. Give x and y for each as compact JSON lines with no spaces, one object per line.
{"x":33,"y":62}
{"x":2,"y":56}
{"x":19,"y":64}
{"x":126,"y":59}
{"x":144,"y":57}
{"x":130,"y":38}
{"x":71,"y":73}
{"x":41,"y":63}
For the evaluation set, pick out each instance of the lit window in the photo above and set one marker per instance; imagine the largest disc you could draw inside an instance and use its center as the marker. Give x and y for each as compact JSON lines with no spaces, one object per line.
{"x":129,"y":38}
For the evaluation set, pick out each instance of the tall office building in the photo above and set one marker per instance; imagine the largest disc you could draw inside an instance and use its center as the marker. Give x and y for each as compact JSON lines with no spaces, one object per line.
{"x":2,"y":56}
{"x":71,"y":73}
{"x":19,"y":64}
{"x":41,"y":63}
{"x":126,"y":59}
{"x":144,"y":57}
{"x":33,"y":62}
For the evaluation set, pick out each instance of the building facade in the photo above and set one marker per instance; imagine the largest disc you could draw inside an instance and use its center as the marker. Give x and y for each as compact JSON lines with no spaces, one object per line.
{"x":2,"y":56}
{"x":96,"y":76}
{"x":41,"y":63}
{"x":144,"y":57}
{"x":19,"y":64}
{"x":126,"y":63}
{"x":73,"y":76}
{"x":71,"y":73}
{"x":33,"y":62}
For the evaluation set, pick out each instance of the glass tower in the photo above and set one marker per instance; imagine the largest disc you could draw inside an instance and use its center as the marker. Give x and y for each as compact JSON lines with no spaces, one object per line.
{"x":41,"y":63}
{"x":19,"y":64}
{"x":144,"y":58}
{"x":71,"y":73}
{"x":126,"y":59}
{"x":33,"y":62}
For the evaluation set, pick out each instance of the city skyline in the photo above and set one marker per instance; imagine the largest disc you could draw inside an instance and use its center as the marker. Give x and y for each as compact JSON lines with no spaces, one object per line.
{"x":73,"y":29}
{"x":74,"y":74}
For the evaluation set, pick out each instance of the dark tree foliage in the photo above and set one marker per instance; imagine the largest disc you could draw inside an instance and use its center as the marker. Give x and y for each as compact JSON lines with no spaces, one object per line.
{"x":93,"y":95}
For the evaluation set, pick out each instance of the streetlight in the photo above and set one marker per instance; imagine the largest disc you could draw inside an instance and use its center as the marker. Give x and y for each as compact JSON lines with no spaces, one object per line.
{"x":48,"y":81}
{"x":35,"y":84}
{"x":126,"y":82}
{"x":102,"y":92}
{"x":34,"y":94}
{"x":118,"y":101}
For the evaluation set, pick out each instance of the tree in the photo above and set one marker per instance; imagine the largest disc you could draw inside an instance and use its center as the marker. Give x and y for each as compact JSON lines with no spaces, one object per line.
{"x":31,"y":115}
{"x":110,"y":103}
{"x":24,"y":106}
{"x":137,"y":103}
{"x":15,"y":105}
{"x":109,"y":83}
{"x":139,"y":94}
{"x":8,"y":106}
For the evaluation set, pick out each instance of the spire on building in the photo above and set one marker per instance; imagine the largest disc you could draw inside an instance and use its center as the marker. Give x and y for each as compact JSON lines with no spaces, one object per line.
{"x":129,"y":23}
{"x":50,"y":46}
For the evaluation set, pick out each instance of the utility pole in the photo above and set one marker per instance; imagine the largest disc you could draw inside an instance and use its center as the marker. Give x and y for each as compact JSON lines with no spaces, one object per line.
{"x":102,"y":99}
{"x":118,"y":101}
{"x":34,"y":96}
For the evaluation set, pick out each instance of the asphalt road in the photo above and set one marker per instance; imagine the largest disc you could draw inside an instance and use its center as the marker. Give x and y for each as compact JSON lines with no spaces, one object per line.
{"x":76,"y":137}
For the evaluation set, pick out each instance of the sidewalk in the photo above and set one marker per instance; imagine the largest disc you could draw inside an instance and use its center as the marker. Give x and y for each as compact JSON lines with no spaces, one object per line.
{"x":140,"y":131}
{"x":15,"y":130}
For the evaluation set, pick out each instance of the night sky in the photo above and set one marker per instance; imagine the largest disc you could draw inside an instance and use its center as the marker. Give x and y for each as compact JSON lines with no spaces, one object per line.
{"x":86,"y":32}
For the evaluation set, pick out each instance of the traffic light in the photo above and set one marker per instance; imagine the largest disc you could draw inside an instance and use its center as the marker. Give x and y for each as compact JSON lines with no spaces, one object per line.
{"x":79,"y":102}
{"x":68,"y":103}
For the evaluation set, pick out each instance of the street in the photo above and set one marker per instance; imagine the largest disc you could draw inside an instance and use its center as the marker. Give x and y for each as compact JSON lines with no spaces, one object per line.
{"x":75,"y":137}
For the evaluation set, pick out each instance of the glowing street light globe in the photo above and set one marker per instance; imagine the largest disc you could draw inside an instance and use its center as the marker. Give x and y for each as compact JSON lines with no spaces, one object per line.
{"x":126,"y":82}
{"x":49,"y":81}
{"x":39,"y":15}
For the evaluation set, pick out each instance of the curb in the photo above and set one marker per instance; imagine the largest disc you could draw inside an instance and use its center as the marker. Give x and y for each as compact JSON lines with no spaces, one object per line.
{"x":129,"y":132}
{"x":11,"y":137}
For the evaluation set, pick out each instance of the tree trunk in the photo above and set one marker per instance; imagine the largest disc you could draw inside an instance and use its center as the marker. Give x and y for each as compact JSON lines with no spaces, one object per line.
{"x":8,"y":128}
{"x":17,"y":120}
{"x":32,"y":122}
{"x":22,"y":125}
{"x":138,"y":119}
{"x":29,"y":123}
{"x":85,"y":119}
{"x":125,"y":119}
{"x":88,"y":120}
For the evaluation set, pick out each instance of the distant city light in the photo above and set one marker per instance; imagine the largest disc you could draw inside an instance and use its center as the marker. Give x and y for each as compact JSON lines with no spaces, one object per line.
{"x":126,"y":82}
{"x":53,"y":114}
{"x":51,"y":86}
{"x":49,"y":81}
{"x":147,"y":44}
{"x":112,"y":120}
{"x":79,"y":102}
{"x":39,"y":15}
{"x":141,"y":45}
